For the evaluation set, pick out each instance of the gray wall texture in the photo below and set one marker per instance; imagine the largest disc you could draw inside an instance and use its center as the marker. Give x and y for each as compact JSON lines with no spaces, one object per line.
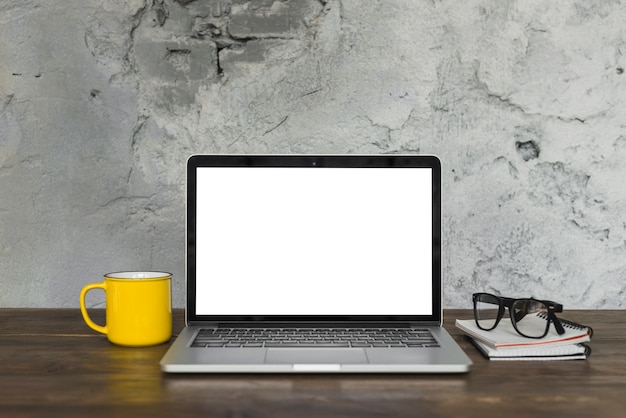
{"x":102,"y":101}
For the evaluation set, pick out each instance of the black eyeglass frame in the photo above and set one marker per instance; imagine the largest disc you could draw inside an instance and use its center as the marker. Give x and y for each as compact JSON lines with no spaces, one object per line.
{"x":505,"y":302}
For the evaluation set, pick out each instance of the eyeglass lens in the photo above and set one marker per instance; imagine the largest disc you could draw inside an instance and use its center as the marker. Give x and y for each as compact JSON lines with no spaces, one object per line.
{"x":486,"y":311}
{"x":529,"y":317}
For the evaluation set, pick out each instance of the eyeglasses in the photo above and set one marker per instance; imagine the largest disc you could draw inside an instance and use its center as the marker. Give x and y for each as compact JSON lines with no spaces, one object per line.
{"x":530,"y":317}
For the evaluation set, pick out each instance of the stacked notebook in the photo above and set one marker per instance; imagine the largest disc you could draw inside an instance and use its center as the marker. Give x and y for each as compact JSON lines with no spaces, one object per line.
{"x":504,"y":343}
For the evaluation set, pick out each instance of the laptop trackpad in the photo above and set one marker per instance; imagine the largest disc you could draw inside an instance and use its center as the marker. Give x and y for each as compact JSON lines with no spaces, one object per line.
{"x":315,"y":356}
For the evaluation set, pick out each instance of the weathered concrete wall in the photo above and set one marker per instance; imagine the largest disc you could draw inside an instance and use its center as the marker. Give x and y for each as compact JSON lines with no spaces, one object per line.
{"x":101,"y":102}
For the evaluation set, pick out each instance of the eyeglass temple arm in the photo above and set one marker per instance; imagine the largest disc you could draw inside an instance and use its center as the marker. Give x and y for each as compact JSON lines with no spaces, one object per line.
{"x":552,"y":309}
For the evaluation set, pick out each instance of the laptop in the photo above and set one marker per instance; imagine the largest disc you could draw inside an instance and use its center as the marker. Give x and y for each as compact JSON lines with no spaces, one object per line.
{"x":314,"y":264}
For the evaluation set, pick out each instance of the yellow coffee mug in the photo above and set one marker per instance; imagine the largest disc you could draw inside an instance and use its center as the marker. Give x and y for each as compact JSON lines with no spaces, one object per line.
{"x":138,"y":307}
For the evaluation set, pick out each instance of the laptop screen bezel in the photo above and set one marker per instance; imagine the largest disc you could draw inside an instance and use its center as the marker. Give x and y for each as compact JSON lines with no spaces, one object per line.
{"x":318,"y":161}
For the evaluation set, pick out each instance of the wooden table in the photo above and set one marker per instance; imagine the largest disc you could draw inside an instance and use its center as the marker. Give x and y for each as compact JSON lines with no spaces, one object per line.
{"x":52,"y":365}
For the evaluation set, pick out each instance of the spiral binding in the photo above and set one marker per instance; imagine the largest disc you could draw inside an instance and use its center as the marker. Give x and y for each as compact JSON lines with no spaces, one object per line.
{"x":569,"y":324}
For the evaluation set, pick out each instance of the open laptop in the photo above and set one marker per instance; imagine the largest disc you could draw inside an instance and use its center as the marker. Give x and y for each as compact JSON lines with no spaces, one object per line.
{"x":314,"y":263}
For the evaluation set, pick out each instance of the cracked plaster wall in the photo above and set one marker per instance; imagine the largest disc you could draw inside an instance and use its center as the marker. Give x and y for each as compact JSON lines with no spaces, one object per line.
{"x":101,"y":102}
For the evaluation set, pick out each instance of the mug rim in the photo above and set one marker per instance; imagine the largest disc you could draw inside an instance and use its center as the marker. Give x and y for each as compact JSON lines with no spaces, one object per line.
{"x":138,"y":275}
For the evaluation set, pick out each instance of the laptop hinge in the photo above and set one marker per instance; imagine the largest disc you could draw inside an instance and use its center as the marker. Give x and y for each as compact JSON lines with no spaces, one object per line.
{"x":425,"y":324}
{"x":313,"y":324}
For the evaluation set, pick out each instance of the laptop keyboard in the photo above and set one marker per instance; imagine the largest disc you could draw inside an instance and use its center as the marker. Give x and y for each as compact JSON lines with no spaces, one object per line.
{"x":314,"y":337}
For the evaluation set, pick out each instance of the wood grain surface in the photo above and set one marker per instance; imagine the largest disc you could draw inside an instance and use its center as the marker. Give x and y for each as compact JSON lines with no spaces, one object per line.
{"x":52,"y":365}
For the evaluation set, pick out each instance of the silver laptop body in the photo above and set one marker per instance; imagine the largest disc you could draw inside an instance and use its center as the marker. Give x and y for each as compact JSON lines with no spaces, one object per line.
{"x":336,"y":247}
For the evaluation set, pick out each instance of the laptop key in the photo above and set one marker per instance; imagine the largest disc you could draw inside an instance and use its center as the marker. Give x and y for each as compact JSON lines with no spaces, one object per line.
{"x":252,"y":345}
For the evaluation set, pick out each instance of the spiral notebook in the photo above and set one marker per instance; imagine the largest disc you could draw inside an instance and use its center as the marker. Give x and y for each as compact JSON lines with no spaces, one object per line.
{"x":564,"y":352}
{"x":504,"y":335}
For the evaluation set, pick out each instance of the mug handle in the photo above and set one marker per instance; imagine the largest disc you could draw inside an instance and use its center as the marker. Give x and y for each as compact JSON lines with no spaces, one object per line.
{"x":83,"y":308}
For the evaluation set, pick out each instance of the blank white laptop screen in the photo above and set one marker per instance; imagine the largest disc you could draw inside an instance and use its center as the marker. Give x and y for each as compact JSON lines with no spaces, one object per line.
{"x":313,"y":241}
